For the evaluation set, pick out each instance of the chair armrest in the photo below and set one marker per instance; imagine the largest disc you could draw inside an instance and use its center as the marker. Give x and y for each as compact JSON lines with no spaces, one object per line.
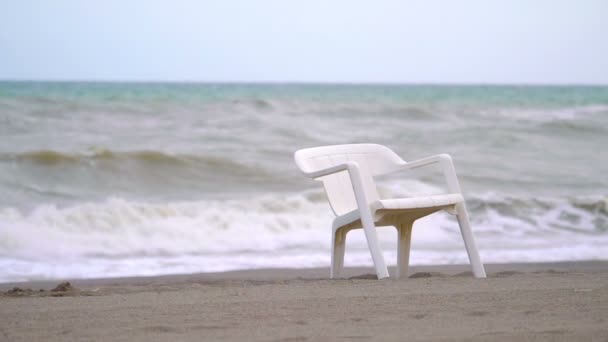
{"x":426,"y":161}
{"x":447,"y":166}
{"x":330,"y":170}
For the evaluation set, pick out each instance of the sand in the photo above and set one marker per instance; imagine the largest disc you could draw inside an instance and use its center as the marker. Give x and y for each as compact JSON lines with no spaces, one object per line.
{"x":555,"y":302}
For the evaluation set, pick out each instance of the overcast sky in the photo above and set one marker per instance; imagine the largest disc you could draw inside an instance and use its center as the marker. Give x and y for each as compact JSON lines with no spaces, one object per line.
{"x":509,"y":41}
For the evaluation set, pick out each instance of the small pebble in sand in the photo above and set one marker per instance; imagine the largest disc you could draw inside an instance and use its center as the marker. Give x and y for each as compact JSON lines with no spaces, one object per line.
{"x":64,"y":287}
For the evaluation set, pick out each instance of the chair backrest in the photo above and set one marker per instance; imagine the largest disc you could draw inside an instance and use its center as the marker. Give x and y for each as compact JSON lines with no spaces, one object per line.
{"x":372,"y":159}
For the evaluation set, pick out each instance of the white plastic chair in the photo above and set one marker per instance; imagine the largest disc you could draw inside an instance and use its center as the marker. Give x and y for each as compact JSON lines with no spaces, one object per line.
{"x":347,"y":173}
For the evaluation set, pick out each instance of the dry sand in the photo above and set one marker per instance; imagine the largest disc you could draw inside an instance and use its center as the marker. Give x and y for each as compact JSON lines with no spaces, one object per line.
{"x":555,"y":302}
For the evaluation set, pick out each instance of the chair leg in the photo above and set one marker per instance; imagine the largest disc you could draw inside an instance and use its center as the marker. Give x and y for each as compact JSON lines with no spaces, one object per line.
{"x":337,"y":253}
{"x":404,"y":231}
{"x":374,"y":247}
{"x":469,"y":242}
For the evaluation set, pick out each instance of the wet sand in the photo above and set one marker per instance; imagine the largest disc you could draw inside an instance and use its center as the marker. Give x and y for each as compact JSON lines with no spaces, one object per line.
{"x":559,"y":301}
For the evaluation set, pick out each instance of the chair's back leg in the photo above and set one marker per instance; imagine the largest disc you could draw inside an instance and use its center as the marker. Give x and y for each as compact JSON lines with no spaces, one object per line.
{"x":469,"y":242}
{"x":337,"y":253}
{"x":404,"y":231}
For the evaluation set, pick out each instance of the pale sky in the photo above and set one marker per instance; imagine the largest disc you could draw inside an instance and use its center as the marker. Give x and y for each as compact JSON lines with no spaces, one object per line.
{"x":508,"y":41}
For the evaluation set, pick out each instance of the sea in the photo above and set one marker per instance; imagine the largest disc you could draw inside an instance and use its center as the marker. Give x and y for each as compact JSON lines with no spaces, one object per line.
{"x":105,"y":180}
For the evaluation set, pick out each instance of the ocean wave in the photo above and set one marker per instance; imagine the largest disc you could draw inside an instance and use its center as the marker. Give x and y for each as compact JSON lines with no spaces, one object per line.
{"x":263,"y":223}
{"x":548,"y":115}
{"x":44,"y":176}
{"x":118,"y":237}
{"x":52,"y":157}
{"x":586,"y":215}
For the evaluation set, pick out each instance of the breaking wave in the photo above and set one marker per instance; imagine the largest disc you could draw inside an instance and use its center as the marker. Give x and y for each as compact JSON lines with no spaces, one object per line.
{"x":50,"y":157}
{"x":114,"y":237}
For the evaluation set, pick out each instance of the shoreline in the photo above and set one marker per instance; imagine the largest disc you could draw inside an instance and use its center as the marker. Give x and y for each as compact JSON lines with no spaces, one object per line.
{"x":550,"y":301}
{"x":316,"y":273}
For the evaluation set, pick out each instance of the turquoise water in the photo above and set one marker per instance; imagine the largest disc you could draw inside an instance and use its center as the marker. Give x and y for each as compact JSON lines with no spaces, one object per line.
{"x":127,"y":179}
{"x":491,"y":95}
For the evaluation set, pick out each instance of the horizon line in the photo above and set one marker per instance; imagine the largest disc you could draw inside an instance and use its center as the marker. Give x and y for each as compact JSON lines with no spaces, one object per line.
{"x":292,"y":82}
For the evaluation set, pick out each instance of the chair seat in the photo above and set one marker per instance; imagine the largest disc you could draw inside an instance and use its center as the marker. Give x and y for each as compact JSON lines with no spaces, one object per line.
{"x":421,"y":202}
{"x":418,"y":202}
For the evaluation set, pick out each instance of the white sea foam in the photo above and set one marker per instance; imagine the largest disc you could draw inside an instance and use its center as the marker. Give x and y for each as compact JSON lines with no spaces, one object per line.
{"x":547,"y":114}
{"x":120,"y":238}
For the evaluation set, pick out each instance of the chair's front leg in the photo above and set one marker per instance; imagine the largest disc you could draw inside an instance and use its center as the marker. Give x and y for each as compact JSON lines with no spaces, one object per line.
{"x":367,"y":221}
{"x":469,"y":242}
{"x":374,"y":248}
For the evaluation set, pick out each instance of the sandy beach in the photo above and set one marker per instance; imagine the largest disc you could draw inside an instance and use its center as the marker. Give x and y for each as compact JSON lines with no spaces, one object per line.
{"x":553,"y":301}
